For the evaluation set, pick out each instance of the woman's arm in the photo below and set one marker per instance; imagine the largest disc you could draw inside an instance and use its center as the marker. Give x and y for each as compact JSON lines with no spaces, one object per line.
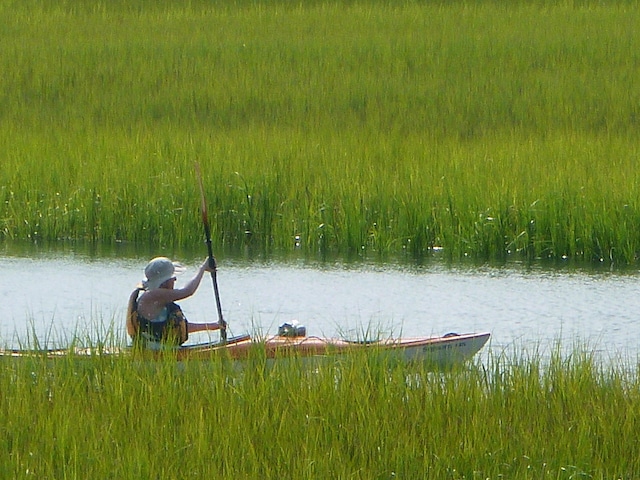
{"x":191,"y":286}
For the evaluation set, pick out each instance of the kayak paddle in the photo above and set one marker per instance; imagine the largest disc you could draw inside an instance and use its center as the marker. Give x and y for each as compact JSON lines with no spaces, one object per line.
{"x":212,"y":260}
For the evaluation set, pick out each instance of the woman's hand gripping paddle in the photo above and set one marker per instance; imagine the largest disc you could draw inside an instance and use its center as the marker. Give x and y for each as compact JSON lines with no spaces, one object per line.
{"x":212,"y":260}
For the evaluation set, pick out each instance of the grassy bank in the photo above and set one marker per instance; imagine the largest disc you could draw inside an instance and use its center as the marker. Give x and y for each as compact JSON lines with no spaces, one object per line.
{"x":485,"y":128}
{"x":360,"y":417}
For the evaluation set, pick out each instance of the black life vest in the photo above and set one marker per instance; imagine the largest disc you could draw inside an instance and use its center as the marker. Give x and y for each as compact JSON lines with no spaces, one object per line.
{"x":173,"y":331}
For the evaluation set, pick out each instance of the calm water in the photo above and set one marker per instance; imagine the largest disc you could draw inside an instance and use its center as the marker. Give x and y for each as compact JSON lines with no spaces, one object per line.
{"x":59,"y":295}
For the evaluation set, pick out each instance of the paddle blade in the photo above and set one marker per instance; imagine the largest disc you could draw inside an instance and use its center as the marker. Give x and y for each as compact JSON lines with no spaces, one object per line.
{"x":205,"y":216}
{"x":203,"y":202}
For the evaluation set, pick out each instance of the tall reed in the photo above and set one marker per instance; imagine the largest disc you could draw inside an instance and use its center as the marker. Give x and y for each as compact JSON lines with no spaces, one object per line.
{"x":361,"y":416}
{"x":484,"y":128}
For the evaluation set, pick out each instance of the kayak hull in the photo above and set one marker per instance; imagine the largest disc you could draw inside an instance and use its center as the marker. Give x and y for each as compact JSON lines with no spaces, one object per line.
{"x":448,"y":349}
{"x":445,"y":350}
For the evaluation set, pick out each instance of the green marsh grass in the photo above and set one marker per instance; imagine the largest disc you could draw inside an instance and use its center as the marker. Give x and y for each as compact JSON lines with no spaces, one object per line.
{"x":485,"y":128}
{"x":362,"y":416}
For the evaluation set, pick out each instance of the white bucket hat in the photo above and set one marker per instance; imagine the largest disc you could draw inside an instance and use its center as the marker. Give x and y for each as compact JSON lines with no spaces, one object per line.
{"x":158,"y":271}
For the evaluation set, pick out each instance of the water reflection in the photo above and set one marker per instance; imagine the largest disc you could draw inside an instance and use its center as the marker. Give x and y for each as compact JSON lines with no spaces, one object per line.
{"x":59,"y":293}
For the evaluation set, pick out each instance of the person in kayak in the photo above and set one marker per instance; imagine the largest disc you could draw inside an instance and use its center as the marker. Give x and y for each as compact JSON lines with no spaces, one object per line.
{"x":153,"y":314}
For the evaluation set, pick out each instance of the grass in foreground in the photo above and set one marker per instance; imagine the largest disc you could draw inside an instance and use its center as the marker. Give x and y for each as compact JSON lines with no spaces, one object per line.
{"x":358,"y":417}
